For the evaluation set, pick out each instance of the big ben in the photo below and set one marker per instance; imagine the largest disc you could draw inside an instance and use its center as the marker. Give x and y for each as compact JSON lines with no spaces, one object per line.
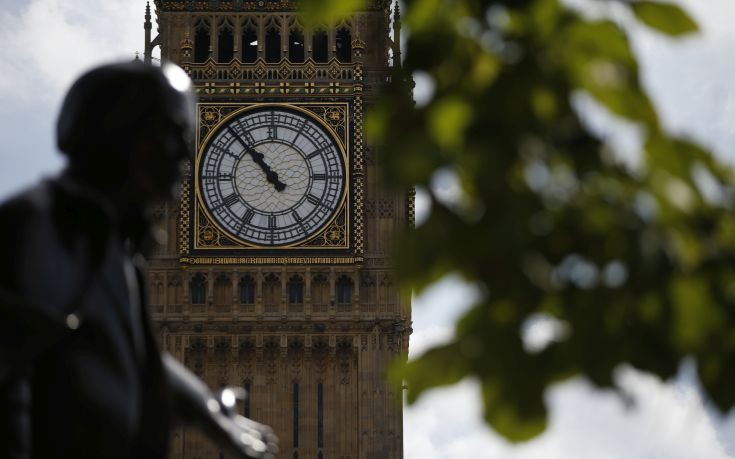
{"x":275,"y":272}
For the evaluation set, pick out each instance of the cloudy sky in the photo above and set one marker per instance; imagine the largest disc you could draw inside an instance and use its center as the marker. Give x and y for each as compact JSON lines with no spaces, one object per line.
{"x":46,"y":43}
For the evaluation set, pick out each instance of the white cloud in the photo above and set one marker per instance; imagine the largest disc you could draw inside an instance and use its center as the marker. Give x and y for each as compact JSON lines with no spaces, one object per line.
{"x":49,"y":42}
{"x":667,"y":421}
{"x":46,"y":44}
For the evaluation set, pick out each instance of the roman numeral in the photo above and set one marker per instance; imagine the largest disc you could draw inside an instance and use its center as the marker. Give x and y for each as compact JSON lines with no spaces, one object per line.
{"x":314,"y":154}
{"x":217,"y":177}
{"x":230,"y":200}
{"x":272,"y":222}
{"x":248,"y":217}
{"x":313,"y":199}
{"x":301,"y":129}
{"x":298,"y":219}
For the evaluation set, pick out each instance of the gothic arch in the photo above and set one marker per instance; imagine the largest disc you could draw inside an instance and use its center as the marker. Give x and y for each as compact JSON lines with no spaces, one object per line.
{"x":249,"y":40}
{"x":202,"y":40}
{"x":225,"y":42}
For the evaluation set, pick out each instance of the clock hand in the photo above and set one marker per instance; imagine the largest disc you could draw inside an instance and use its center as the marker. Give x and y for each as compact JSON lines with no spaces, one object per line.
{"x":270,"y":175}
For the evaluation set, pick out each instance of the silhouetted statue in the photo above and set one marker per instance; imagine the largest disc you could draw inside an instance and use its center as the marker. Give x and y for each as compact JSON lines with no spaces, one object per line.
{"x":81,"y":375}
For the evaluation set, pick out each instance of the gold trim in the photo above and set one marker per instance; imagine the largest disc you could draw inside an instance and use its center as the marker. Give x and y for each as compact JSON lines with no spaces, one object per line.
{"x":269,"y":260}
{"x":343,"y":145}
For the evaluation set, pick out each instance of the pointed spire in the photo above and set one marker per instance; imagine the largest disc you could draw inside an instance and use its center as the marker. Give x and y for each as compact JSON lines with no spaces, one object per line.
{"x":147,"y":26}
{"x":397,"y":35}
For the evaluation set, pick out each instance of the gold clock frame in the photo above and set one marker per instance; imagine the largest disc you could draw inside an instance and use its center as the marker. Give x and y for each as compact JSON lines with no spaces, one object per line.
{"x":206,"y":242}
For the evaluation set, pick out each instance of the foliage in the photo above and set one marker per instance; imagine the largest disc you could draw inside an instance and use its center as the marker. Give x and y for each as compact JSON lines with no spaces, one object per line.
{"x":314,"y":12}
{"x":637,"y":264}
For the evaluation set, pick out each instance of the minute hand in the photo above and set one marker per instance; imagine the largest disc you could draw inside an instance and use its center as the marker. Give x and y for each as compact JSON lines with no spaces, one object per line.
{"x":270,"y":175}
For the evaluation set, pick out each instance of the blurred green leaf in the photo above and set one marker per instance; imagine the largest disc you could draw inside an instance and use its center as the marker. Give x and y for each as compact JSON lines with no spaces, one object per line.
{"x":664,"y":17}
{"x":316,"y":12}
{"x":634,"y":264}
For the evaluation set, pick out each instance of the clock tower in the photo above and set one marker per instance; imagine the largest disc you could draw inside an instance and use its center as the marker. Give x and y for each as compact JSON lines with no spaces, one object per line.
{"x":273,"y":271}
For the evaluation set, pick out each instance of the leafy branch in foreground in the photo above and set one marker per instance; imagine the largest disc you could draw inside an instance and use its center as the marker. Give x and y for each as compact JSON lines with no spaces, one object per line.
{"x":638,"y":264}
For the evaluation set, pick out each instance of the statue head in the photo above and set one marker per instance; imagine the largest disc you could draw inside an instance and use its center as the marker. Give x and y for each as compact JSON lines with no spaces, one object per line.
{"x":127,"y":129}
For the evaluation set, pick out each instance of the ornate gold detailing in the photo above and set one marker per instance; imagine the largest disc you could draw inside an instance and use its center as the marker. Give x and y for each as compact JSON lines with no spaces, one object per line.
{"x":261,"y":70}
{"x":411,"y":207}
{"x":358,"y":43}
{"x":243,"y":5}
{"x":359,"y":181}
{"x":201,"y":260}
{"x":343,"y":233}
{"x":275,"y":89}
{"x":184,"y":217}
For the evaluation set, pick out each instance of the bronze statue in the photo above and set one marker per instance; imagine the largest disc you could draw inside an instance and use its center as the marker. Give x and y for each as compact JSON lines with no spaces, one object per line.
{"x":81,"y":375}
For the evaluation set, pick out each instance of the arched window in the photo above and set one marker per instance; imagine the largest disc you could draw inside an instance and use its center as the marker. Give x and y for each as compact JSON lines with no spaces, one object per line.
{"x":272,"y":45}
{"x":198,"y":289}
{"x":344,"y":293}
{"x":319,"y":293}
{"x":344,"y":290}
{"x":385,"y":291}
{"x":201,"y":42}
{"x":247,"y":290}
{"x":271,"y":293}
{"x":344,"y":45}
{"x":249,"y":45}
{"x":368,"y":297}
{"x":222,"y":289}
{"x":320,"y":46}
{"x":296,"y":46}
{"x":296,"y":290}
{"x":225,"y":44}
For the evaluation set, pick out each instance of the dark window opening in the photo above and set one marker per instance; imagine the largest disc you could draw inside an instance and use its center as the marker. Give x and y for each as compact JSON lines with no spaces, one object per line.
{"x":247,"y":290}
{"x":271,"y":293}
{"x":198,"y":289}
{"x":296,"y":290}
{"x":296,"y":46}
{"x":272,"y":45}
{"x":296,"y":415}
{"x":249,"y":45}
{"x":320,"y":416}
{"x":246,"y":402}
{"x":344,"y":290}
{"x":320,"y":46}
{"x":225,"y":45}
{"x":344,"y":45}
{"x":201,"y":44}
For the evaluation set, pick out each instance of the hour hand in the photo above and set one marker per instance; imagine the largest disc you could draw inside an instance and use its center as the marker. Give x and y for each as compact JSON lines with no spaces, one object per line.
{"x":270,"y":175}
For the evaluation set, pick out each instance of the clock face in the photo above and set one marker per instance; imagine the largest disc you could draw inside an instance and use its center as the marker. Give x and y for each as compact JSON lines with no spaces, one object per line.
{"x":272,"y":176}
